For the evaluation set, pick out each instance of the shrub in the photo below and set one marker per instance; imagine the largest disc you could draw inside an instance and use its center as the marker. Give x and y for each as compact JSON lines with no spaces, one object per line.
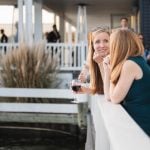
{"x":29,"y":67}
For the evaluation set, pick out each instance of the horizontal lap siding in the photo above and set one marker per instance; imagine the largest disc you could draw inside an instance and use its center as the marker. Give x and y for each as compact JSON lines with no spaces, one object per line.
{"x":145,"y":21}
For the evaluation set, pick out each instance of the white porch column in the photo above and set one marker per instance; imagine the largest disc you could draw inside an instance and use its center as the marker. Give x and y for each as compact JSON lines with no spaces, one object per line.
{"x":81,"y":24}
{"x":38,"y":20}
{"x":62,"y":27}
{"x":19,"y":25}
{"x":69,"y":33}
{"x":29,"y":28}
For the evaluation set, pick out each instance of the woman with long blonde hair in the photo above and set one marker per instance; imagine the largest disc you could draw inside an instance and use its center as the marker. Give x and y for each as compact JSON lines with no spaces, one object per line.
{"x":98,"y":49}
{"x":127,"y":76}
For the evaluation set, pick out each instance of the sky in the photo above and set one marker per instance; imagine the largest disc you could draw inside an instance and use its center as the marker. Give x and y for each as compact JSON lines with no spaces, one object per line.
{"x":11,"y":15}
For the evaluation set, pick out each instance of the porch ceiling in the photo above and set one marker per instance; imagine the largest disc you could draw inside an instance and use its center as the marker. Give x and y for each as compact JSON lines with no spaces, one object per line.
{"x":95,"y":8}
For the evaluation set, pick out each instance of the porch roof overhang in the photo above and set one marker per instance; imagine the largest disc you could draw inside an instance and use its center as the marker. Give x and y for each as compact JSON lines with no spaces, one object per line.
{"x":95,"y":8}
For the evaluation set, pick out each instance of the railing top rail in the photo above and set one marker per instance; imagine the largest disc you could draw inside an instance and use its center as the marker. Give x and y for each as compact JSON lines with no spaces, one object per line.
{"x":123,"y":131}
{"x":9,"y":44}
{"x":36,"y":93}
{"x":49,"y":44}
{"x":38,"y":108}
{"x":66,"y":44}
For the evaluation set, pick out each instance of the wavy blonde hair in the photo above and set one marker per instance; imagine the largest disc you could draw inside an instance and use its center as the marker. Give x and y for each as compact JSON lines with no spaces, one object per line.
{"x":96,"y":83}
{"x":123,"y":44}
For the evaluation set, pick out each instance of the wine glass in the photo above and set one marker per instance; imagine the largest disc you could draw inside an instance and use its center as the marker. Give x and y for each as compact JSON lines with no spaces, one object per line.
{"x":75,"y":86}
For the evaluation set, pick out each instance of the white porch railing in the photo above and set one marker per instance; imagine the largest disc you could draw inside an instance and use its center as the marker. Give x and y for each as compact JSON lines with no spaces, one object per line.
{"x":38,"y":112}
{"x":67,"y":112}
{"x":70,"y":56}
{"x":114,"y":128}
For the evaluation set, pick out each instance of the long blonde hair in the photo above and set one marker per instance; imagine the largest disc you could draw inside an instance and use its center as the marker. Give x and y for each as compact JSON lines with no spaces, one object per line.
{"x":123,"y":44}
{"x":96,"y":83}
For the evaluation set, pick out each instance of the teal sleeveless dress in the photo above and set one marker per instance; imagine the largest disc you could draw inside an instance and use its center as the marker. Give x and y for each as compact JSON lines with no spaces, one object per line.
{"x":137,"y":101}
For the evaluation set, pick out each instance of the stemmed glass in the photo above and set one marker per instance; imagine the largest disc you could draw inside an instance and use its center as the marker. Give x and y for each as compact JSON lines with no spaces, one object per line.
{"x":75,"y":86}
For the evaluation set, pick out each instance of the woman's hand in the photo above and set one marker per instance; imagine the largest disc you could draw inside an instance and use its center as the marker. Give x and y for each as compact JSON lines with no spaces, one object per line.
{"x":82,"y":76}
{"x":106,"y":64}
{"x":98,"y":57}
{"x":84,"y":90}
{"x":84,"y":73}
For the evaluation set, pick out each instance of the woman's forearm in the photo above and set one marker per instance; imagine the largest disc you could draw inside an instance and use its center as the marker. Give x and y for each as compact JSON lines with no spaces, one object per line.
{"x":106,"y":67}
{"x":100,"y":65}
{"x":107,"y":86}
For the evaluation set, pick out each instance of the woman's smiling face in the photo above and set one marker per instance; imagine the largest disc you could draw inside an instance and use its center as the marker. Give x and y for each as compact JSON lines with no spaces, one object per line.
{"x":101,"y":43}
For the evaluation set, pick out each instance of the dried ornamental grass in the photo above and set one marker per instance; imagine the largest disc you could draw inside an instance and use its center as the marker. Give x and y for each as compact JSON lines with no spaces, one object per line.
{"x":29,"y":67}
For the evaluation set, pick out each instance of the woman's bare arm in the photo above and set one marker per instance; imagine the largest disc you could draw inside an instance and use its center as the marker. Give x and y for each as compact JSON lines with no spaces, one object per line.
{"x":130,"y":72}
